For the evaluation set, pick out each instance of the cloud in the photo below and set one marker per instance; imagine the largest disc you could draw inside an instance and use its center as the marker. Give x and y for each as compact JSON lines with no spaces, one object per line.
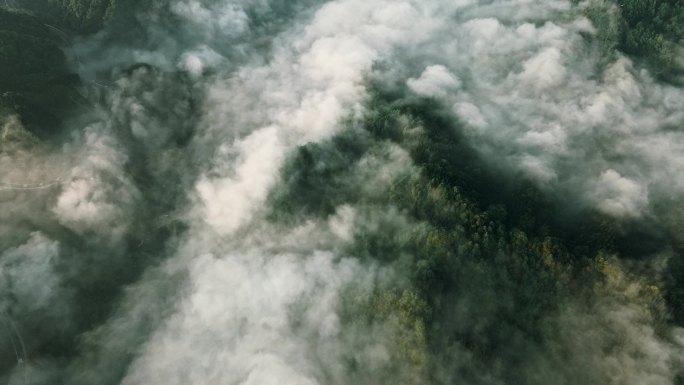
{"x":436,"y":80}
{"x":198,"y":61}
{"x":620,"y":196}
{"x":29,"y":274}
{"x":154,"y":236}
{"x":230,"y":202}
{"x":99,"y":196}
{"x":224,"y":18}
{"x":534,"y":99}
{"x":240,"y":310}
{"x":544,"y":70}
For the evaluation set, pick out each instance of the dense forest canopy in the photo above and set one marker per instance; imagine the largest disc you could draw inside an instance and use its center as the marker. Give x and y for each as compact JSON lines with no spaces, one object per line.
{"x":652,"y":31}
{"x":342,"y":192}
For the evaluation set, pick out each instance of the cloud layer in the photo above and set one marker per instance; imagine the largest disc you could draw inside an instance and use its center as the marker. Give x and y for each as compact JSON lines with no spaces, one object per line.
{"x":216,"y":214}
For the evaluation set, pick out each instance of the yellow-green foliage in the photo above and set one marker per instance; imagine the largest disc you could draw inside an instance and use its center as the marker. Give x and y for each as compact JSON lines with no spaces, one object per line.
{"x":486,"y":266}
{"x":408,"y":309}
{"x":626,"y":288}
{"x":403,"y":313}
{"x":12,"y":132}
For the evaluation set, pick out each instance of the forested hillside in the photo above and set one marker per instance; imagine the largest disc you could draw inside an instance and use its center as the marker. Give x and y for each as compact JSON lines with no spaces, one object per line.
{"x":342,"y":192}
{"x":648,"y":30}
{"x":80,"y":16}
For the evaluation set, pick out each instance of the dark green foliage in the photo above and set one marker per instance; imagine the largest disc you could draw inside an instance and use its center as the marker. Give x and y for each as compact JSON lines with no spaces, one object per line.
{"x":490,"y":259}
{"x":312,"y":181}
{"x":27,"y":48}
{"x":653,"y":28}
{"x":606,"y":19}
{"x":36,"y":83}
{"x":649,"y":30}
{"x":82,"y":16}
{"x":86,"y":15}
{"x":675,"y":286}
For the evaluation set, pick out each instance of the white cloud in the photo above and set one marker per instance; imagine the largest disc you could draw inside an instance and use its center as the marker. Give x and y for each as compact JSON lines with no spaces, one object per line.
{"x":28,"y":275}
{"x":98,"y":196}
{"x":257,"y":304}
{"x":231,"y":201}
{"x":544,"y":70}
{"x":224,"y":18}
{"x":239,"y":315}
{"x":436,"y":80}
{"x":620,"y":196}
{"x":197,"y":61}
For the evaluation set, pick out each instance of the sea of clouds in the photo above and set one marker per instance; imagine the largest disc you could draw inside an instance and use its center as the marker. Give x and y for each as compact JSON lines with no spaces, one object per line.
{"x":137,"y":247}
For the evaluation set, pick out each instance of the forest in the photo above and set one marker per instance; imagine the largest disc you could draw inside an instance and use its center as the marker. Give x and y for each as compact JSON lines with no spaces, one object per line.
{"x":152,"y":211}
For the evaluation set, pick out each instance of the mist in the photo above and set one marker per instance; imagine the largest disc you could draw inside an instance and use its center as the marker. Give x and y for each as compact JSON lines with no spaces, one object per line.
{"x":341,"y":192}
